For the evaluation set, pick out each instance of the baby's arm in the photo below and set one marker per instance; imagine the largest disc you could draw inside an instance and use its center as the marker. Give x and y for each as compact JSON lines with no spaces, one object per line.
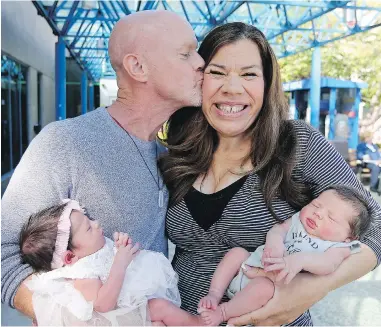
{"x":316,"y":263}
{"x":274,"y":246}
{"x":325,"y":263}
{"x":105,"y":296}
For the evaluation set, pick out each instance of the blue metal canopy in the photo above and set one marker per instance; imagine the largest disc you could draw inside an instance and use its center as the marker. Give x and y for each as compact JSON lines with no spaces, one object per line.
{"x":290,"y":26}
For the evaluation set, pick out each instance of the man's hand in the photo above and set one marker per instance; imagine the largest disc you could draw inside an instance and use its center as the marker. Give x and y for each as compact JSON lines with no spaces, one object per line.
{"x":23,"y":300}
{"x":288,"y":303}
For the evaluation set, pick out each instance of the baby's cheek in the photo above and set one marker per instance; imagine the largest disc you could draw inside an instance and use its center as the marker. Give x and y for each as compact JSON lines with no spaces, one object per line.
{"x":326,"y":232}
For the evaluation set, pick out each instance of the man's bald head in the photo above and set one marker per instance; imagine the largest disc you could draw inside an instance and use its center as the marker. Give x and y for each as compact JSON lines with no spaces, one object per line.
{"x":141,"y":32}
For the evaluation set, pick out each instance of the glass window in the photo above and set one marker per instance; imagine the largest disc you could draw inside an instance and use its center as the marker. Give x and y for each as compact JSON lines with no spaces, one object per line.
{"x":14,"y":123}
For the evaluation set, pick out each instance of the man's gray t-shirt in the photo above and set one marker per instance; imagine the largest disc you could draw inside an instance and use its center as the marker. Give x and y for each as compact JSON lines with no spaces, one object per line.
{"x":94,"y":161}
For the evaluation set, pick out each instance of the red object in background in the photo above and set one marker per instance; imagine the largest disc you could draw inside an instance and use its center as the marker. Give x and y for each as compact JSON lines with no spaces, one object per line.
{"x":352,"y":114}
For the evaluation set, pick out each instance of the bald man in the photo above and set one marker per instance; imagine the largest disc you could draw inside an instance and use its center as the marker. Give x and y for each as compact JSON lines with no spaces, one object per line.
{"x":106,"y":159}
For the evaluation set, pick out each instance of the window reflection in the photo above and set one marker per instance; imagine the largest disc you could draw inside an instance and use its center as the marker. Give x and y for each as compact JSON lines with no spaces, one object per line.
{"x":14,"y":124}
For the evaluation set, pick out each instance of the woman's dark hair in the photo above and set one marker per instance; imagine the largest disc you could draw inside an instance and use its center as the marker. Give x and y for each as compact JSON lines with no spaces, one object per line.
{"x":192,"y":141}
{"x":38,"y":238}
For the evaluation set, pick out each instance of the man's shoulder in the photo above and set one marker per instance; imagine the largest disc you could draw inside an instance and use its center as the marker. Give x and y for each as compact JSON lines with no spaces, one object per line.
{"x":73,"y":125}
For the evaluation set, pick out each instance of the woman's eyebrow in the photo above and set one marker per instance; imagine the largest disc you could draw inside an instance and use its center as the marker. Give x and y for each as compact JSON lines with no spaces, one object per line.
{"x":251,"y":66}
{"x":242,"y":68}
{"x":217,"y":65}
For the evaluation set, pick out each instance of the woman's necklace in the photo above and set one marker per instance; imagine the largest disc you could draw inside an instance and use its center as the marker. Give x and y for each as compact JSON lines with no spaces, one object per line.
{"x":157,"y":182}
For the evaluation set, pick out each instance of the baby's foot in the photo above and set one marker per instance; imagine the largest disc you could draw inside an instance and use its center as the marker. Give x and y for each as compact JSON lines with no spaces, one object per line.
{"x":208,"y":302}
{"x":212,"y":317}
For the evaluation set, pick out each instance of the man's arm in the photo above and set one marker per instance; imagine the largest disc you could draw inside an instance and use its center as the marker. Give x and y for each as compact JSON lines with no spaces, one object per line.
{"x":41,"y":179}
{"x":23,"y":300}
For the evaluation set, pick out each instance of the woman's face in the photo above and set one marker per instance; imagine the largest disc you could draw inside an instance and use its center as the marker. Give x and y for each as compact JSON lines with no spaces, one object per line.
{"x":233,"y":88}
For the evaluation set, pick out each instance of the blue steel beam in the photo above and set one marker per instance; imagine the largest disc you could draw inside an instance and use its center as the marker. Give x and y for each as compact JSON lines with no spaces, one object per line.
{"x":115,"y":10}
{"x":307,"y":19}
{"x":83,"y":93}
{"x":91,"y":96}
{"x":78,"y":35}
{"x":60,"y":79}
{"x":299,"y":3}
{"x":185,"y":11}
{"x":200,"y":10}
{"x":69,"y":21}
{"x":149,"y":5}
{"x":249,"y":12}
{"x":107,"y":12}
{"x":232,"y":10}
{"x":289,"y":25}
{"x":41,"y":11}
{"x":314,"y":96}
{"x":124,"y":6}
{"x":52,"y":9}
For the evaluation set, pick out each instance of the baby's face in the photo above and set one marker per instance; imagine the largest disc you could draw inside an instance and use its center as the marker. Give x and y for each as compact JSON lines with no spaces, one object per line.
{"x":87,"y":237}
{"x":328,"y":217}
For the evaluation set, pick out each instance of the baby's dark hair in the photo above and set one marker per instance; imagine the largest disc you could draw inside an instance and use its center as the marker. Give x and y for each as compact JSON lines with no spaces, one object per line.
{"x":38,"y":238}
{"x":362,"y":217}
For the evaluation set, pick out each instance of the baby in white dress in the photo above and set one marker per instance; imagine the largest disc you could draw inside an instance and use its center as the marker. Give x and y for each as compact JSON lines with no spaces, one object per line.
{"x":108,"y":281}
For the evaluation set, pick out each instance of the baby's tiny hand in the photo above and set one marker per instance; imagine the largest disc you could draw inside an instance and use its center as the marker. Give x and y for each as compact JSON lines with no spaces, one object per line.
{"x":288,"y":267}
{"x":126,"y":251}
{"x":121,"y":239}
{"x":208,"y":302}
{"x":272,"y":251}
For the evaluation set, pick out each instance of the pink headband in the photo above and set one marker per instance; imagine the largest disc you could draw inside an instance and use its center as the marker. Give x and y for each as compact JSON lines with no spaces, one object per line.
{"x":63,"y":232}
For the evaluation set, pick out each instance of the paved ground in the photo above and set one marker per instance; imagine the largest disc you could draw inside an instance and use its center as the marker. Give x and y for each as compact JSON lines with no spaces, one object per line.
{"x":355,"y":304}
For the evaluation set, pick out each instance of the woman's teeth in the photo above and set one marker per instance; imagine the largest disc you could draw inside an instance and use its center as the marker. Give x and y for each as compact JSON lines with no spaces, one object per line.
{"x":231,"y":109}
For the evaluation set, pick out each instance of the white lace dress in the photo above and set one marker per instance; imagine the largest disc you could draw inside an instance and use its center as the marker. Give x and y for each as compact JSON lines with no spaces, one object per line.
{"x":149,"y":275}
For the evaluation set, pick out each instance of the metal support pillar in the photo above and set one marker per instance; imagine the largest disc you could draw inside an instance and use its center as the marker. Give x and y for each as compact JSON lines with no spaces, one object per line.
{"x":91,"y":96}
{"x":353,"y":122}
{"x":314,"y":97}
{"x":84,"y":93}
{"x":332,"y":113}
{"x":60,"y":80}
{"x":293,"y":112}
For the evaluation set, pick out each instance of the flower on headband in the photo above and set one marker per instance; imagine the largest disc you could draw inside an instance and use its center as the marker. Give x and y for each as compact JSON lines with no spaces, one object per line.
{"x":63,"y":232}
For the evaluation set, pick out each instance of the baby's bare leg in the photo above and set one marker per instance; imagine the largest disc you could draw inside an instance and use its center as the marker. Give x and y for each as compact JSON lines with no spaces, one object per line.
{"x":227,"y":269}
{"x":253,"y":296}
{"x":165,"y":312}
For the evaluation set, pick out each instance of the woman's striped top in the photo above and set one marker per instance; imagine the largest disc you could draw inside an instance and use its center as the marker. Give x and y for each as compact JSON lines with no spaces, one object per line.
{"x":246,"y":220}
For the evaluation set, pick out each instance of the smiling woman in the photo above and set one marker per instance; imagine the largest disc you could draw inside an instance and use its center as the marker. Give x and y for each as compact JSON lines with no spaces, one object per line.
{"x":233,"y":88}
{"x":237,"y":166}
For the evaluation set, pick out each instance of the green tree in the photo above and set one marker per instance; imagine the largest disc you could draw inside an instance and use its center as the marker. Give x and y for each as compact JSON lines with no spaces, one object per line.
{"x":355,"y":57}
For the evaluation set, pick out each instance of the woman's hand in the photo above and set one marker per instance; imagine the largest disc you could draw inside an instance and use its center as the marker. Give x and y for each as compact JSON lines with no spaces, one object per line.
{"x":289,"y":301}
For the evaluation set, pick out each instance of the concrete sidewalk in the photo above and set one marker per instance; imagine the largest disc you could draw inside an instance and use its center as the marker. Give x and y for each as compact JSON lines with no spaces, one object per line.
{"x":355,"y":304}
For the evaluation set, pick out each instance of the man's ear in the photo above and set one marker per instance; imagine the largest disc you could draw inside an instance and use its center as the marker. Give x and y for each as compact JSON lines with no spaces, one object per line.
{"x":69,"y":258}
{"x":135,"y":68}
